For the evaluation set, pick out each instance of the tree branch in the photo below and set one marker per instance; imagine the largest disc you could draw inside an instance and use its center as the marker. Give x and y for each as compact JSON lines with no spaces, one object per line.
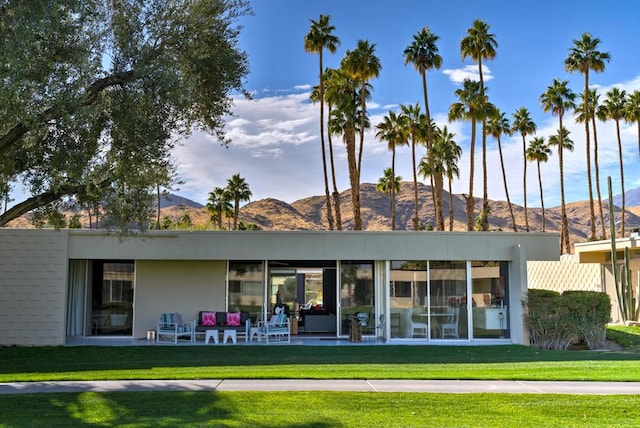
{"x":43,"y":199}
{"x":90,"y":97}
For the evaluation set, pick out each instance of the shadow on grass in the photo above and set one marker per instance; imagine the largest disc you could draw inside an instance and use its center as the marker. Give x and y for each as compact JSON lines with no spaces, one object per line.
{"x":152,"y":409}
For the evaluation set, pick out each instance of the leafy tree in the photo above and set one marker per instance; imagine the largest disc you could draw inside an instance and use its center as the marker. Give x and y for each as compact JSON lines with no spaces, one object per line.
{"x":393,"y":131}
{"x":96,"y":92}
{"x":74,"y":221}
{"x":583,"y":57}
{"x":423,"y":54}
{"x":468,"y":107}
{"x":614,"y":107}
{"x":558,"y":98}
{"x":538,"y":151}
{"x":389,"y":183}
{"x":238,"y":191}
{"x":496,"y":126}
{"x":320,"y":37}
{"x":524,"y":125}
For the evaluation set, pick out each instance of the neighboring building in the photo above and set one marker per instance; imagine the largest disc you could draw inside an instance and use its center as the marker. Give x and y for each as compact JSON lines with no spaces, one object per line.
{"x":599,"y":253}
{"x":429,"y":287}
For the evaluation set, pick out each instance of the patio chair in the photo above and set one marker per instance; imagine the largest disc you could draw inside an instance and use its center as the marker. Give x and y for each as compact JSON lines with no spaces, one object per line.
{"x":450,"y":328}
{"x":415,"y":326}
{"x":277,"y":328}
{"x":171,"y":327}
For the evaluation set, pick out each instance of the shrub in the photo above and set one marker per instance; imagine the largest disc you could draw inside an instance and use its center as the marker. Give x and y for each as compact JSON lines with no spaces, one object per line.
{"x":590,"y":311}
{"x":547,"y":321}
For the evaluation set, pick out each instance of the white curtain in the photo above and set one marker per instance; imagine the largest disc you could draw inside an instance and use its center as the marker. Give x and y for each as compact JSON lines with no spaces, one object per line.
{"x":76,"y":292}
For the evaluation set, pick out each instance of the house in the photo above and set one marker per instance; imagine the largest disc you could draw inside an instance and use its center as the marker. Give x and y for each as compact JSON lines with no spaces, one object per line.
{"x":427,"y":287}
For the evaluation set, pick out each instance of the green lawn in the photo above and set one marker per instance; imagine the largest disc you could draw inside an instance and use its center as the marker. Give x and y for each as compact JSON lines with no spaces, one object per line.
{"x":320,"y":409}
{"x":317,"y":409}
{"x":315,"y":362}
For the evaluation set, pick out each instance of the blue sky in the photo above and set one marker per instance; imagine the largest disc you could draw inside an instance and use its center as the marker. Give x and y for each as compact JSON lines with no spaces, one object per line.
{"x":275,"y":136}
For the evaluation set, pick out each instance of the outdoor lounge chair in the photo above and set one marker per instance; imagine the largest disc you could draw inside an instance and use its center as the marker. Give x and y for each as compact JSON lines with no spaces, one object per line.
{"x":171,"y":327}
{"x":277,"y":328}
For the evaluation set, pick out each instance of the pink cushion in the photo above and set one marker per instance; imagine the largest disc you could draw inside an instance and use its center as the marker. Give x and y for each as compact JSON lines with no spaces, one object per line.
{"x":208,"y":318}
{"x":233,"y":318}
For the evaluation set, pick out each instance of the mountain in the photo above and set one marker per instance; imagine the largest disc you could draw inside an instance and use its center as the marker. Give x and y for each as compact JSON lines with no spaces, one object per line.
{"x":310,"y":213}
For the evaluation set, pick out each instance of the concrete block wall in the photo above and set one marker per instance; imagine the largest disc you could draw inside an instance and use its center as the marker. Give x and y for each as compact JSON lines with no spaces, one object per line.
{"x":566,"y":274}
{"x":33,"y":278}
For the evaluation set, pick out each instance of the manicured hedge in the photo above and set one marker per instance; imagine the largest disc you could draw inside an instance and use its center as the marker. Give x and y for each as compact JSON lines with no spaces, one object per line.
{"x":555,"y":320}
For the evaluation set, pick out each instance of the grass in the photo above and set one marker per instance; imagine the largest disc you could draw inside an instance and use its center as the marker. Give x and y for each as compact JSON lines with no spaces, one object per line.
{"x":320,"y":408}
{"x":317,"y":409}
{"x":315,"y":362}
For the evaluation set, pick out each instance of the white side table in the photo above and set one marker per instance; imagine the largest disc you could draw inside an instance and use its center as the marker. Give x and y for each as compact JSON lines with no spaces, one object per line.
{"x":253,"y":332}
{"x":211,"y":334}
{"x":229,"y":334}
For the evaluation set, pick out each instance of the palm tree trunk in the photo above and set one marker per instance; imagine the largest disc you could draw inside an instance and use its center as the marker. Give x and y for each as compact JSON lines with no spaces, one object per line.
{"x":354,"y":180}
{"x":621,"y":181}
{"x":392,"y":192}
{"x":564,"y":235}
{"x":451,"y":212}
{"x":324,"y":156}
{"x":541,"y":198}
{"x":469,"y":199}
{"x":437,"y":204}
{"x":158,"y":206}
{"x":524,"y":183}
{"x":595,"y":164}
{"x":236,"y":213}
{"x":336,"y":194}
{"x":485,"y":191}
{"x":506,"y":189}
{"x":416,"y":220}
{"x":439,"y":184}
{"x":588,"y":149}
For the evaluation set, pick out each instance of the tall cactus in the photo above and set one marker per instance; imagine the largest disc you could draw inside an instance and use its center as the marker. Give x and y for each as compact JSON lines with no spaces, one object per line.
{"x":622,"y":278}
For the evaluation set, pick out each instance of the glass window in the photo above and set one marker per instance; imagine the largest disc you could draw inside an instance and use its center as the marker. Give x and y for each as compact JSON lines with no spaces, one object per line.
{"x":408,"y":299}
{"x":356,"y":292}
{"x":246,"y":287}
{"x":448,"y":299}
{"x":489,"y":297}
{"x":112,"y":298}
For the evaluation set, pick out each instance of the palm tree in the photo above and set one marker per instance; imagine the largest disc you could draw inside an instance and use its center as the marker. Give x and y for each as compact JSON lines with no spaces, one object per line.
{"x":614,"y":107}
{"x":558,"y":98}
{"x":584,"y":56}
{"x":393,"y":131}
{"x":423,"y":54}
{"x":445,"y":153}
{"x":562,"y":141}
{"x":632,"y":112}
{"x":389,"y":183}
{"x":362,"y":65}
{"x":345,"y":119}
{"x":238,"y":190}
{"x":524,"y":125}
{"x":218,"y":204}
{"x":496,"y":126}
{"x":416,"y":128}
{"x":580,"y":117}
{"x":538,"y":151}
{"x":450,"y":154}
{"x":469,"y":107}
{"x":481,"y":45}
{"x":320,"y":37}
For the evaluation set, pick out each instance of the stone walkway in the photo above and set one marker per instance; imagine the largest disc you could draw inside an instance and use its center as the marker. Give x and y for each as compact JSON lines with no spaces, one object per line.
{"x":434,"y":386}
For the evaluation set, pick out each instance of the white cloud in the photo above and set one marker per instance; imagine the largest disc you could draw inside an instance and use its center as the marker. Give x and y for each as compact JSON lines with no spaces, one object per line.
{"x":458,"y":75}
{"x":304,"y":87}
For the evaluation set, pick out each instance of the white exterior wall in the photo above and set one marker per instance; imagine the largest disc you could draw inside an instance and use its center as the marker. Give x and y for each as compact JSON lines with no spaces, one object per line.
{"x":563,"y":275}
{"x":183,"y":286}
{"x":181,"y":271}
{"x":33,"y":278}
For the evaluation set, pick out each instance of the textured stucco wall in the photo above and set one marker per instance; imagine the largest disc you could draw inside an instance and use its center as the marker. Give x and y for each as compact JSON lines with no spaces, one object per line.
{"x":33,"y":278}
